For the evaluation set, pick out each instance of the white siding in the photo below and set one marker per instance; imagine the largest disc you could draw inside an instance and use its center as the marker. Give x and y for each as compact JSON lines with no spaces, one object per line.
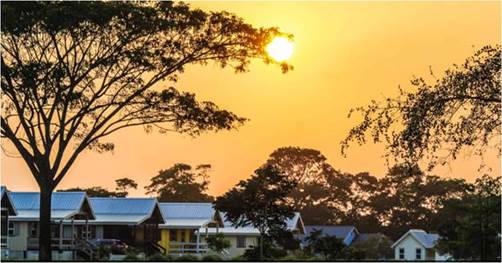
{"x":20,"y":241}
{"x":410,"y":245}
{"x":234,"y":251}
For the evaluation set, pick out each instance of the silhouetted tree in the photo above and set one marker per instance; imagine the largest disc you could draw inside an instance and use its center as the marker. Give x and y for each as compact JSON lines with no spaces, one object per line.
{"x":73,"y":73}
{"x":123,"y":184}
{"x":326,"y":245}
{"x":435,"y":121}
{"x":471,"y":226}
{"x":322,"y":192}
{"x":181,"y":183}
{"x":95,"y":191}
{"x":259,"y":201}
{"x":407,"y":198}
{"x":217,"y":242}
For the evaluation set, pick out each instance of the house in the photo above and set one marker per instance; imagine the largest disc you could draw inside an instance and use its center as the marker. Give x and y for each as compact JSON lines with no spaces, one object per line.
{"x":416,"y":244}
{"x":242,"y":238}
{"x":346,"y":233}
{"x":181,"y":231}
{"x":70,"y":215}
{"x":134,"y":221}
{"x":7,"y":210}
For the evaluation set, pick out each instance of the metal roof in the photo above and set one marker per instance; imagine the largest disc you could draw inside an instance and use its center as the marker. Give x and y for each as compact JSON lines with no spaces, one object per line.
{"x":292,"y":224}
{"x":187,"y":215}
{"x":427,"y":240}
{"x":63,"y":205}
{"x":4,"y":193}
{"x":338,"y":231}
{"x":112,"y":210}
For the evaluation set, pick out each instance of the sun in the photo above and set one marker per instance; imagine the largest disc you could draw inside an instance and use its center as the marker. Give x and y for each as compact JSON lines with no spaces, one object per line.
{"x":280,"y":49}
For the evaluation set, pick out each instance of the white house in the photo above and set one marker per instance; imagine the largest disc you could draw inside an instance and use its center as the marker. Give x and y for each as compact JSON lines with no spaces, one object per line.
{"x":416,"y":244}
{"x":242,"y":238}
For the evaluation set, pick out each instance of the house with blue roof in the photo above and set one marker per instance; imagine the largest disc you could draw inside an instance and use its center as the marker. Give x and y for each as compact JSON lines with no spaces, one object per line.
{"x":346,"y":233}
{"x":184,"y":223}
{"x":70,"y":215}
{"x":7,"y":209}
{"x":134,"y":221}
{"x":416,"y":245}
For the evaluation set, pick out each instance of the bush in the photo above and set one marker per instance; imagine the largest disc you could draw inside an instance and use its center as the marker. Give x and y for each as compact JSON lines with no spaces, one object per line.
{"x":187,"y":258}
{"x":132,"y":257}
{"x":211,"y":258}
{"x":238,"y":258}
{"x":159,"y":258}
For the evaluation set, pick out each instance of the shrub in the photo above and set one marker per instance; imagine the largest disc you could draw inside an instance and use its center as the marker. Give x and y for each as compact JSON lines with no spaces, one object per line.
{"x":238,"y":258}
{"x":159,"y":258}
{"x":132,"y":257}
{"x":187,"y":258}
{"x":211,"y":258}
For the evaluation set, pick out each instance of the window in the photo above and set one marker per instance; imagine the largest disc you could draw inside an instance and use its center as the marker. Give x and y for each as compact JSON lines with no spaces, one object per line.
{"x":418,"y":252}
{"x":33,"y":229}
{"x":401,"y":253}
{"x":172,"y":235}
{"x":13,"y":229}
{"x":241,"y":241}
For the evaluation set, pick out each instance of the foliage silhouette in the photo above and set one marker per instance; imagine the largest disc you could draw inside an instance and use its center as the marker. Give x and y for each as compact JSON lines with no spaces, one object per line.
{"x":76,"y":72}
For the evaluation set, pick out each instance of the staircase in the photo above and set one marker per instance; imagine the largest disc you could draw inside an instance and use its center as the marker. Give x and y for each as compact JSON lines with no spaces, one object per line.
{"x":86,"y":250}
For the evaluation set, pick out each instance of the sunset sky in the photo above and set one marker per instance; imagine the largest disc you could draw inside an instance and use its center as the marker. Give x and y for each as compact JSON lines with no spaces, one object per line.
{"x":345,"y":54}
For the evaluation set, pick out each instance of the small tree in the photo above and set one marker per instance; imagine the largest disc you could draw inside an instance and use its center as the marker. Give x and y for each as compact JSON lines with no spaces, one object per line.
{"x":328,"y":246}
{"x":73,"y":73}
{"x":217,"y":242}
{"x":123,"y":184}
{"x":259,"y":201}
{"x":181,"y":183}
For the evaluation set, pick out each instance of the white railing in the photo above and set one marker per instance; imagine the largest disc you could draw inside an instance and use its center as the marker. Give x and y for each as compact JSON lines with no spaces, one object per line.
{"x":66,"y":243}
{"x":187,"y":248}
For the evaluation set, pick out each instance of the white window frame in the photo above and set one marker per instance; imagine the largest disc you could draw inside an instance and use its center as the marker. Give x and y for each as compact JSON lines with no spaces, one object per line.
{"x":418,"y":253}
{"x":239,"y":240}
{"x":401,"y":255}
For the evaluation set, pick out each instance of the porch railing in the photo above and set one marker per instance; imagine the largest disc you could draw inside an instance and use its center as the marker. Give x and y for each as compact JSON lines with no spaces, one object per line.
{"x":187,"y":248}
{"x":66,"y":243}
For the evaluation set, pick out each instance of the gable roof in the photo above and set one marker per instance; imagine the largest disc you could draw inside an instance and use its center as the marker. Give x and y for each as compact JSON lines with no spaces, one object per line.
{"x":296,"y":223}
{"x":293,"y":224}
{"x":123,"y":211}
{"x":341,"y":232}
{"x":64,"y":205}
{"x":425,"y":239}
{"x":6,"y":201}
{"x":188,"y":215}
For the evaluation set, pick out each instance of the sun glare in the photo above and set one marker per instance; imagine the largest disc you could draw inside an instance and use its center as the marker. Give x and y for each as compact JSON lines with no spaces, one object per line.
{"x":280,"y":49}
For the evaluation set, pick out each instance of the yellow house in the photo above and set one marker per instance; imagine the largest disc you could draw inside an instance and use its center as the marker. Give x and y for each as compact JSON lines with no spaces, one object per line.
{"x":184,"y":226}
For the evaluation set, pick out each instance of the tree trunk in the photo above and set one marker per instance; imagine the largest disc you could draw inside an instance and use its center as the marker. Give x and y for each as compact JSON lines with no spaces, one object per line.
{"x":44,"y":238}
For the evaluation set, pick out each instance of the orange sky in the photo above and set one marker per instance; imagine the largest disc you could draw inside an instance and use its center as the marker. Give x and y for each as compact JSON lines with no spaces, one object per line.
{"x":345,"y":55}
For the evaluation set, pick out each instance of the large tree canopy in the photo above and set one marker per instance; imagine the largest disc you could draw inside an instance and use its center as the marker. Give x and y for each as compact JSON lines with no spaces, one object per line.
{"x":76,"y":72}
{"x":181,"y":183}
{"x":436,"y":121}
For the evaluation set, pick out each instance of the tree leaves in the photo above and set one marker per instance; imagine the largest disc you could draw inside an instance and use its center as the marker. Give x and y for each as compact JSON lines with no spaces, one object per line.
{"x":436,"y":121}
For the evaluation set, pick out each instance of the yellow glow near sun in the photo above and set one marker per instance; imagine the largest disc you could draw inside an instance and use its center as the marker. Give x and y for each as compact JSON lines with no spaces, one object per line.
{"x":280,"y":49}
